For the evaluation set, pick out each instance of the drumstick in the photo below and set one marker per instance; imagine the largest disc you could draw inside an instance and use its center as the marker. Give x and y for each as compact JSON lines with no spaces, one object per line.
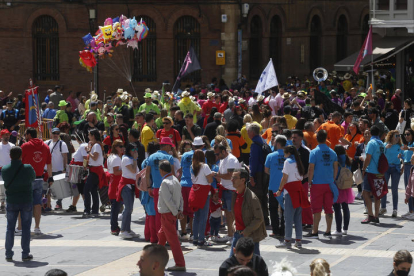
{"x":80,"y":138}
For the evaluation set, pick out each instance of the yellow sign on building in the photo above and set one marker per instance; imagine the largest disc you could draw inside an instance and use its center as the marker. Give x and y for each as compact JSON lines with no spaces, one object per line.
{"x":220,"y":57}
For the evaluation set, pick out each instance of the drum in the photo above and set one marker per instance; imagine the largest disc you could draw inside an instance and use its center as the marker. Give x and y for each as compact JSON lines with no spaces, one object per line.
{"x":61,"y":188}
{"x":76,"y":174}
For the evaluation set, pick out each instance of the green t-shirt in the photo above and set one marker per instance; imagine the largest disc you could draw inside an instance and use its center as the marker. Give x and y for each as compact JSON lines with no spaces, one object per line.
{"x":149,"y":107}
{"x":62,"y":116}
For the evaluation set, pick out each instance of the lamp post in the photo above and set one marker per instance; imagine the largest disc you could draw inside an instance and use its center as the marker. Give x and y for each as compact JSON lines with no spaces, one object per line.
{"x":92,"y":18}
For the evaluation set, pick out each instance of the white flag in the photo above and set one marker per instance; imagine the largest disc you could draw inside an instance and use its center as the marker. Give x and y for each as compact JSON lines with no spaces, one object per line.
{"x":268,"y":79}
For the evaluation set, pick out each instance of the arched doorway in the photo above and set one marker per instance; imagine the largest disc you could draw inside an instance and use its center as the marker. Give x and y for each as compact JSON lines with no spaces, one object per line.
{"x":255,"y":48}
{"x":342,"y":38}
{"x":275,"y":42}
{"x":315,"y":54}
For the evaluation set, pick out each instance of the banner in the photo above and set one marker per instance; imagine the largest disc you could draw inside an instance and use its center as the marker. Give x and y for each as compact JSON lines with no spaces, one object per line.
{"x":365,"y":50}
{"x":32,"y":107}
{"x":190,"y":65}
{"x":268,"y":79}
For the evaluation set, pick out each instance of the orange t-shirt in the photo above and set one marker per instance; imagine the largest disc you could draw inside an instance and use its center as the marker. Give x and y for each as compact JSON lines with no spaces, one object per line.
{"x":267,"y":135}
{"x":237,"y":141}
{"x":310,"y":139}
{"x":334,"y":132}
{"x":359,"y":138}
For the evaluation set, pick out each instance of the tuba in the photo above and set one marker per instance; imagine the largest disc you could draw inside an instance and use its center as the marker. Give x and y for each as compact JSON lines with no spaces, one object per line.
{"x":320,"y":74}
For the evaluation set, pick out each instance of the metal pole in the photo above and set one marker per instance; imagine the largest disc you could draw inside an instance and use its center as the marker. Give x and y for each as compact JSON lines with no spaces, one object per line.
{"x":239,"y":53}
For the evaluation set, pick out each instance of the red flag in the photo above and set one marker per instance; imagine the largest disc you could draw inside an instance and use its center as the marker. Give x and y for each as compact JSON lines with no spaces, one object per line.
{"x":365,"y":50}
{"x":32,"y":107}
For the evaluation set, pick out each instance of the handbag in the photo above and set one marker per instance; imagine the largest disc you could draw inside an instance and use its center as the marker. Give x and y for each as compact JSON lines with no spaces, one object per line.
{"x":357,"y":175}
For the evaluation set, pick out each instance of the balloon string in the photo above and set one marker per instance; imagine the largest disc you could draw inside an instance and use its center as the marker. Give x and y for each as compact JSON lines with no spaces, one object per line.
{"x":127,"y":71}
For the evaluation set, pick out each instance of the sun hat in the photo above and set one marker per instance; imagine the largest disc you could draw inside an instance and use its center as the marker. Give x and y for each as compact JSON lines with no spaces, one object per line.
{"x":198,"y":141}
{"x":63,"y":103}
{"x":185,"y":94}
{"x":94,"y":97}
{"x":148,"y":90}
{"x":55,"y":129}
{"x":167,"y":141}
{"x":147,"y":95}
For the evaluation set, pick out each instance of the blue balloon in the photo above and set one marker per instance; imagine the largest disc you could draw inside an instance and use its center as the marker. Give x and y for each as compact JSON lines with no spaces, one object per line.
{"x":116,"y":19}
{"x":87,"y":39}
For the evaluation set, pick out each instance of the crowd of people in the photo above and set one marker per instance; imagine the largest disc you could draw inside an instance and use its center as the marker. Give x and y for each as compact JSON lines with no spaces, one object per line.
{"x":209,"y":157}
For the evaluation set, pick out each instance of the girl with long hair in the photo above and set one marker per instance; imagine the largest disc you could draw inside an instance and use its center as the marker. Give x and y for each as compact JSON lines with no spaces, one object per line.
{"x":127,"y":190}
{"x":256,"y":115}
{"x":201,"y":177}
{"x":393,"y":153}
{"x":408,"y":150}
{"x":115,"y":173}
{"x":96,"y":178}
{"x":295,"y":197}
{"x":346,"y":196}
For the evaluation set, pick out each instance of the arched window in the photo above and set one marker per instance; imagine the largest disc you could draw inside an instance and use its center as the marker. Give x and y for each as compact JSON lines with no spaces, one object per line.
{"x":255,"y":48}
{"x":365,"y":28}
{"x":315,"y":53}
{"x":275,"y":42}
{"x":342,"y":38}
{"x":45,"y":49}
{"x":186,"y":34}
{"x":145,"y":57}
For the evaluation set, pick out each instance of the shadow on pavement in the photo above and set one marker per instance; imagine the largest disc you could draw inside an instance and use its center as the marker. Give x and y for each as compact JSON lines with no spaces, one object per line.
{"x":30,"y":264}
{"x":345,"y":240}
{"x":305,"y":251}
{"x":47,"y":237}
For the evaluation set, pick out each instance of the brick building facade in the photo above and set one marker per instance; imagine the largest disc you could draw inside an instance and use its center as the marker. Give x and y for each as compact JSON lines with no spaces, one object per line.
{"x":41,"y":40}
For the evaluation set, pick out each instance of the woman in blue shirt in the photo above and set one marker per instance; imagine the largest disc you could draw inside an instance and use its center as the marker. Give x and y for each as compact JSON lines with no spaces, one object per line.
{"x":393,"y":152}
{"x":408,"y":150}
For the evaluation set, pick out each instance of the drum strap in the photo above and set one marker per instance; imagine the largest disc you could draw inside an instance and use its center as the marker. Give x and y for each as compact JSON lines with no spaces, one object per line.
{"x":14,"y":176}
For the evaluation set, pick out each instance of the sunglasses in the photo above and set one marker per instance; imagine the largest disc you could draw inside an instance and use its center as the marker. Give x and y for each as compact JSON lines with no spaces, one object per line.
{"x":407,"y":134}
{"x":117,"y":129}
{"x":56,"y":133}
{"x":217,"y":154}
{"x":121,"y":147}
{"x":397,"y":136}
{"x":165,"y":123}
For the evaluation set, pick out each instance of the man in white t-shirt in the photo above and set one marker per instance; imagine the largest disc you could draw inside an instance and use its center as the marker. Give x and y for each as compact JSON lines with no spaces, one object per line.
{"x":228,"y":163}
{"x":273,"y":103}
{"x":5,"y":147}
{"x":59,"y":151}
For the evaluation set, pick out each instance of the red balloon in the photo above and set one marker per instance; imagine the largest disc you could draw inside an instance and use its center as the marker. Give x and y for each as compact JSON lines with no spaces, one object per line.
{"x":88,"y":58}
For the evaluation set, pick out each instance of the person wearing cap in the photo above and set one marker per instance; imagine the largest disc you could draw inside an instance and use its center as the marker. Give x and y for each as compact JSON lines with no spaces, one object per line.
{"x":169,"y":131}
{"x":9,"y":118}
{"x":149,"y":105}
{"x":59,"y":151}
{"x":61,"y":116}
{"x":210,"y":129}
{"x":5,"y":147}
{"x":56,"y":96}
{"x":207,"y":106}
{"x":187,"y":106}
{"x":152,"y":169}
{"x":147,"y":134}
{"x":109,"y":120}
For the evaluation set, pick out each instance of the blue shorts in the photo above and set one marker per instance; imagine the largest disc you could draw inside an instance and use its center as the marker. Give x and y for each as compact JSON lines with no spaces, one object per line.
{"x":226,"y":198}
{"x":37,"y":186}
{"x":366,"y":186}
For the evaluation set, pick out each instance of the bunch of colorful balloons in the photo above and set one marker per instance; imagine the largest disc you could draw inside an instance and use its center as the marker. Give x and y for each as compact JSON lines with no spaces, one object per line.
{"x":116,"y":31}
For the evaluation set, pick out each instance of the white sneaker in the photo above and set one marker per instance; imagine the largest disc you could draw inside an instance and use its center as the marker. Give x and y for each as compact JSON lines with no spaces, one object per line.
{"x":120,"y":217}
{"x":229,"y":242}
{"x":37,"y":231}
{"x":125,"y":235}
{"x":394,"y":213}
{"x":17,"y":232}
{"x":143,"y":218}
{"x":218,"y":239}
{"x":344,"y":232}
{"x":382,"y":211}
{"x":336,"y":233}
{"x":358,"y":196}
{"x":190,"y":238}
{"x":406,"y":214}
{"x":134,"y":235}
{"x":213,"y":238}
{"x":228,"y":238}
{"x":410,"y":217}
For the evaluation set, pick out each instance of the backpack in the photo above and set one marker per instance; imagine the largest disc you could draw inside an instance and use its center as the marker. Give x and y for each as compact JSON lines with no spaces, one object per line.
{"x":345,"y":179}
{"x":141,"y":181}
{"x":266,"y":150}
